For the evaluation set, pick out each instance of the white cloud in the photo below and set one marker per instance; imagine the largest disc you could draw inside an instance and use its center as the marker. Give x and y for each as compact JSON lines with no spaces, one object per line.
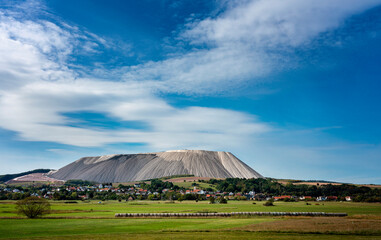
{"x":23,"y":60}
{"x":245,"y":43}
{"x":35,"y":112}
{"x":38,"y":87}
{"x":275,"y":23}
{"x":204,"y":71}
{"x":35,"y":50}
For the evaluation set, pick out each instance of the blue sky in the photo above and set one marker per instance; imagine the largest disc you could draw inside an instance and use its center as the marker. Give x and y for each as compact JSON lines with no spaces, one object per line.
{"x":291,"y":87}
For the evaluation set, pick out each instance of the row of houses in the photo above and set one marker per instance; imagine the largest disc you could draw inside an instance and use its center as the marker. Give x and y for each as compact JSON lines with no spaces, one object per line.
{"x":309,"y":198}
{"x":137,"y":191}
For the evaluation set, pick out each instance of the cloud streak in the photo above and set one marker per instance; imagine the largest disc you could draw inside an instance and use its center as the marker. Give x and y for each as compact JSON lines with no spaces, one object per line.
{"x":39,"y":87}
{"x":36,"y":112}
{"x":245,"y":43}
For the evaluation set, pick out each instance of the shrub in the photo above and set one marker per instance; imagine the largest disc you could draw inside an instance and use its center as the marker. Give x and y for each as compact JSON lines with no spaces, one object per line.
{"x":222,"y":200}
{"x":289,"y":200}
{"x":33,"y":207}
{"x":269,"y":203}
{"x":181,"y":198}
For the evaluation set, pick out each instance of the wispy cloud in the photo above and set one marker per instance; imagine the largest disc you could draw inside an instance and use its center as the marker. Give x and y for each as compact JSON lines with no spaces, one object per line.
{"x":35,"y":111}
{"x":39,"y":87}
{"x":242,"y":43}
{"x":245,"y":43}
{"x":35,"y":50}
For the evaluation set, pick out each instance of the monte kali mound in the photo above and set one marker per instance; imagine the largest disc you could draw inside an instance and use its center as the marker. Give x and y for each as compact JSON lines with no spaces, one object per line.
{"x":143,"y":166}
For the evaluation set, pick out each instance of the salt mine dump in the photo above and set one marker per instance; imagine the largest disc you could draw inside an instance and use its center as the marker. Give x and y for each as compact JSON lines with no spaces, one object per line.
{"x":143,"y":166}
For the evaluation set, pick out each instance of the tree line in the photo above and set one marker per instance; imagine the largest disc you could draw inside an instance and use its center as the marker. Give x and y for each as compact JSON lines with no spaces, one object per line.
{"x":271,"y":187}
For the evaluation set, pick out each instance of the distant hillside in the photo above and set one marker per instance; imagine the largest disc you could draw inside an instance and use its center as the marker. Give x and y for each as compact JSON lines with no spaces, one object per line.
{"x":7,"y":177}
{"x":144,"y":166}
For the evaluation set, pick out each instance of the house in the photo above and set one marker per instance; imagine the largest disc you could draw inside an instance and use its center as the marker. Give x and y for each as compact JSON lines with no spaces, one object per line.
{"x":331,"y":198}
{"x":282,"y":197}
{"x":305,"y":198}
{"x":196,"y":191}
{"x":320,"y":198}
{"x":348,"y":198}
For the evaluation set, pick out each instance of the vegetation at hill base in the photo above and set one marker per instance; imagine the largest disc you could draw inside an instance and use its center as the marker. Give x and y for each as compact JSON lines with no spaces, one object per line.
{"x":176,"y":176}
{"x":274,"y":188}
{"x":230,"y":188}
{"x":79,"y":182}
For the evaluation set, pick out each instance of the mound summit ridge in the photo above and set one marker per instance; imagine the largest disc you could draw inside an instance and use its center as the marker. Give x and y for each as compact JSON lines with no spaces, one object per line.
{"x":143,"y":166}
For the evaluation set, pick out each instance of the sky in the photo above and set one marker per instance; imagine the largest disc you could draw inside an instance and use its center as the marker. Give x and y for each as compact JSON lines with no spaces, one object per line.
{"x":291,"y":87}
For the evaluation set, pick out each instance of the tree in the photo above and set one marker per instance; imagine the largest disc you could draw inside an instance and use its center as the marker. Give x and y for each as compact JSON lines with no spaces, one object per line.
{"x":222,"y":200}
{"x":33,"y":207}
{"x":269,"y":203}
{"x":212,"y":200}
{"x":74,"y":196}
{"x":181,"y":198}
{"x":151,"y":197}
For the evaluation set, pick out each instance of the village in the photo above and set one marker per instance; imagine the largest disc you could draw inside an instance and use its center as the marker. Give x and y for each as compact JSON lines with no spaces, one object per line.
{"x":136,"y":192}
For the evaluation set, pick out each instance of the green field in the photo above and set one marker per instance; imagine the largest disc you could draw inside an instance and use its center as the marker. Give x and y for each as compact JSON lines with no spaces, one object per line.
{"x":188,"y":185}
{"x":93,"y":220}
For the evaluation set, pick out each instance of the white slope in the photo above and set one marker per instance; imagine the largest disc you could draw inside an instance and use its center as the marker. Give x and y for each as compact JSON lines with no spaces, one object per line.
{"x":134,"y":167}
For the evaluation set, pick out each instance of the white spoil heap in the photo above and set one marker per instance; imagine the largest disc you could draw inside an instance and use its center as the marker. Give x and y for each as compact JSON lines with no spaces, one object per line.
{"x":142,"y":166}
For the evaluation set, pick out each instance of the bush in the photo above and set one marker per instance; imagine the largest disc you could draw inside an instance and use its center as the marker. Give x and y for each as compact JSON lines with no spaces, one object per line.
{"x":289,"y":200}
{"x":212,"y":200}
{"x":269,"y":203}
{"x":222,"y":200}
{"x":33,"y":207}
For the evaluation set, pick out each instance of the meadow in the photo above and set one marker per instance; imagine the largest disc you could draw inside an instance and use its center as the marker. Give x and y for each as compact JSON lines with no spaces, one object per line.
{"x":94,"y":220}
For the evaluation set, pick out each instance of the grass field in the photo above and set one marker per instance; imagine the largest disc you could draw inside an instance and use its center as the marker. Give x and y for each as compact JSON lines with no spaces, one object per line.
{"x":201,"y":185}
{"x":92,"y":220}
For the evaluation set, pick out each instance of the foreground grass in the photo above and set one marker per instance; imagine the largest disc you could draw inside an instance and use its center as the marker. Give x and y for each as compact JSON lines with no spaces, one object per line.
{"x":221,"y":228}
{"x":212,"y":235}
{"x":321,"y":225}
{"x":91,"y":220}
{"x":108,"y":209}
{"x":22,"y":228}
